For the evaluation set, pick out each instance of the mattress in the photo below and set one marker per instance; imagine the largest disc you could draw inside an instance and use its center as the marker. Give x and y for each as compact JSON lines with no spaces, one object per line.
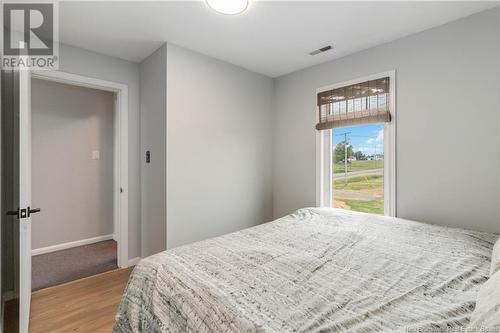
{"x":317,"y":270}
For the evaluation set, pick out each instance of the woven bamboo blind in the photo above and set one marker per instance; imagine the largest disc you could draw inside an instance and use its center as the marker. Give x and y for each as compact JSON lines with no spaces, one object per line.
{"x":357,"y":104}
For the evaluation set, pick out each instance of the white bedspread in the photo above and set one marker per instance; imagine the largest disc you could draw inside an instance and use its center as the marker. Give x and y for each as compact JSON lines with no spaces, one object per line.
{"x":317,"y":270}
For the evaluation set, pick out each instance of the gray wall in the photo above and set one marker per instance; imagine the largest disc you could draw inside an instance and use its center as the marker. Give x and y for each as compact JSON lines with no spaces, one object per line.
{"x":447,"y":123}
{"x":87,"y":63}
{"x":225,"y":158}
{"x":75,"y":191}
{"x":153,"y":73}
{"x":219,"y":151}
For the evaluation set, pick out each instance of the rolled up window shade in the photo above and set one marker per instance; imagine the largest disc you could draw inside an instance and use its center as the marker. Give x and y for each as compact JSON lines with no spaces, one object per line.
{"x":357,"y":104}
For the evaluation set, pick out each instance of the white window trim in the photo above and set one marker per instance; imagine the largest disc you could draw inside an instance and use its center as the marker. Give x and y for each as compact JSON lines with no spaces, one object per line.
{"x":324,"y":151}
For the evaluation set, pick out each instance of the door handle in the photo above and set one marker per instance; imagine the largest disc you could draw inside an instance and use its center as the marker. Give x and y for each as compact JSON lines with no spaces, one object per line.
{"x":23,"y":213}
{"x":19,"y":213}
{"x":33,"y":210}
{"x":13,"y":213}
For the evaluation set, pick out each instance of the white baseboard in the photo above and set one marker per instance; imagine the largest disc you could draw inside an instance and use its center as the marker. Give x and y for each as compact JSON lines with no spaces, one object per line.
{"x":69,"y":245}
{"x":133,"y":261}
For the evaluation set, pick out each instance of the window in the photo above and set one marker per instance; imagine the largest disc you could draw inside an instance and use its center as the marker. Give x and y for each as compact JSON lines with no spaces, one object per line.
{"x":356,"y":145}
{"x":358,"y":168}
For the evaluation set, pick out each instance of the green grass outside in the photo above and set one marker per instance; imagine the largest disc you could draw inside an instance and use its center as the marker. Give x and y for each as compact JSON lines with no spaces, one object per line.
{"x":358,"y":166}
{"x":372,"y":184}
{"x":374,"y":206}
{"x":359,"y":183}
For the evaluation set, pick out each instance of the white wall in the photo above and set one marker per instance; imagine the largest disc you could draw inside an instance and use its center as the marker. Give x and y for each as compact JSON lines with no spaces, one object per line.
{"x":75,"y":191}
{"x":447,"y":126}
{"x":219,"y":147}
{"x":153,"y":74}
{"x":87,"y":63}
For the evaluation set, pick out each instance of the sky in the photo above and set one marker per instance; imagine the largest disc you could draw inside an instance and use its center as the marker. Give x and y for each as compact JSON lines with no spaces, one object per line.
{"x":369,"y":139}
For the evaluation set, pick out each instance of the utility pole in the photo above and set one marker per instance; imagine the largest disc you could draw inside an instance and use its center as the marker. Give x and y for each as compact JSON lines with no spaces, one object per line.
{"x":345,"y":155}
{"x":345,"y":158}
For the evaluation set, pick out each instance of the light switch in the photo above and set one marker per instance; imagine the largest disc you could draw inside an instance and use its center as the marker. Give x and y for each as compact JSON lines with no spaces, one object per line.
{"x":96,"y":154}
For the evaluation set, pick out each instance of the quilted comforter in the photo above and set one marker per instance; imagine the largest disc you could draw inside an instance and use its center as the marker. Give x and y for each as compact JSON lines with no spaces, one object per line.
{"x":317,"y":270}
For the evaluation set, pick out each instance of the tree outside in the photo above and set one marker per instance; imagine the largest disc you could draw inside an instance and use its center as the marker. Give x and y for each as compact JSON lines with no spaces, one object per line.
{"x":339,"y":151}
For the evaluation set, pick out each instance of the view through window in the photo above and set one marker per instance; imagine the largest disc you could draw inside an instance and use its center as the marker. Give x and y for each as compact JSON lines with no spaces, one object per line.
{"x":358,"y":168}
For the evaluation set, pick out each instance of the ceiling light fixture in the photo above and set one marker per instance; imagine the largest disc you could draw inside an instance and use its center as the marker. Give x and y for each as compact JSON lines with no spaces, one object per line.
{"x":228,"y":7}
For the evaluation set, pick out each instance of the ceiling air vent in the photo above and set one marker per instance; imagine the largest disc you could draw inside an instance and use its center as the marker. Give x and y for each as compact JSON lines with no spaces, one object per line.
{"x":321,"y":50}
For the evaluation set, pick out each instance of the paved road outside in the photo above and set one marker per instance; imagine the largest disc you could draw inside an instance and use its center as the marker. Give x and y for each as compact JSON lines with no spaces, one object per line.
{"x":372,"y":172}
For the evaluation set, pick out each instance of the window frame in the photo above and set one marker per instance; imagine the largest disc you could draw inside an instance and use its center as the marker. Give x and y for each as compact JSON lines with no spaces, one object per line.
{"x":324,"y":193}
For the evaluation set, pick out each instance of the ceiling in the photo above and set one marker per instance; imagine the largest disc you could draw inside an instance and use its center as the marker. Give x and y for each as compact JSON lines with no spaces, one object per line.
{"x":272,"y":37}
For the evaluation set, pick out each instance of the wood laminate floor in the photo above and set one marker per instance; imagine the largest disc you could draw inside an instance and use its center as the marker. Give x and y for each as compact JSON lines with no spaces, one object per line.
{"x":86,"y":305}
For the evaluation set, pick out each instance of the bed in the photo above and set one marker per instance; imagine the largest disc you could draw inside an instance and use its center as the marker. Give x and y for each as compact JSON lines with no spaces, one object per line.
{"x":317,"y":270}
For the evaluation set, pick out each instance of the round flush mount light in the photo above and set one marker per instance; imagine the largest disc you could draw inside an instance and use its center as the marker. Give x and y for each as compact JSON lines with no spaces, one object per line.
{"x":228,"y":7}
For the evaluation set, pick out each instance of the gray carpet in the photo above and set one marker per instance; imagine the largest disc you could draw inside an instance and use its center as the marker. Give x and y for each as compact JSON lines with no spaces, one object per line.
{"x":54,"y":268}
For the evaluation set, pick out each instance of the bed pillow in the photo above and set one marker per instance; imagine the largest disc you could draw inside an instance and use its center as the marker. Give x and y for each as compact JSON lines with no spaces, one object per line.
{"x":485,"y":317}
{"x":495,"y":258}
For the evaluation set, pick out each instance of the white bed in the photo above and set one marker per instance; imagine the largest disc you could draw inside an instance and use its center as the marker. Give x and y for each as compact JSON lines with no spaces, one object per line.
{"x":317,"y":270}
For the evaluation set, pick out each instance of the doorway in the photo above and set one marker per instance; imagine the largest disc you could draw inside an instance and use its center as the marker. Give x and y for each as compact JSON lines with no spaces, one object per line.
{"x":72,"y":179}
{"x":16,"y":163}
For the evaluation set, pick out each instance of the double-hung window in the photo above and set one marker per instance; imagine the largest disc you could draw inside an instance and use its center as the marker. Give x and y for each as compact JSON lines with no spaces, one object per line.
{"x":356,"y":145}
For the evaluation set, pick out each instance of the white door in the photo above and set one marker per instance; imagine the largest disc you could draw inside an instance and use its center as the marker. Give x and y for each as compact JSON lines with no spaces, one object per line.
{"x":25,"y":209}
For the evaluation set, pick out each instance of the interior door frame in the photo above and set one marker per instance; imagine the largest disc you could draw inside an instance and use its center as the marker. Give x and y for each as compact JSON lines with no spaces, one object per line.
{"x":120,"y":155}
